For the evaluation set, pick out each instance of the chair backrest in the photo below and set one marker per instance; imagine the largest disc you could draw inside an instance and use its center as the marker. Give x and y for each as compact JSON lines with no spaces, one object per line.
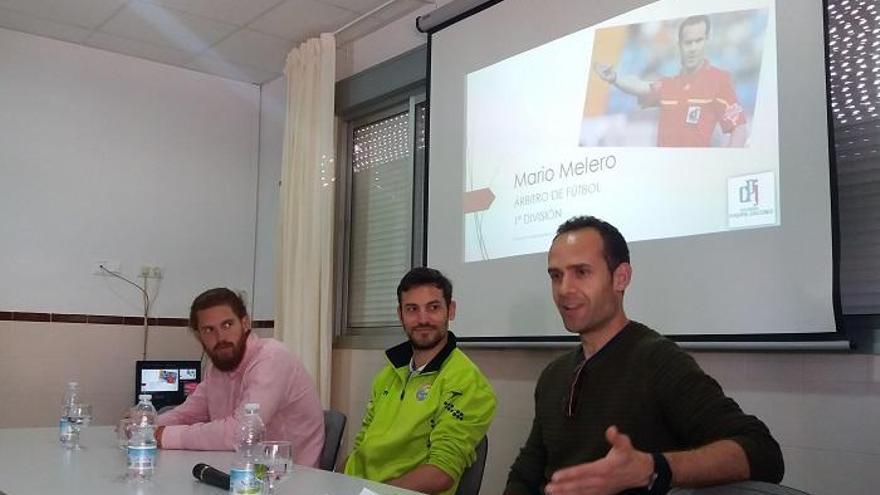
{"x":334,"y":425}
{"x":742,"y":488}
{"x":472,"y":477}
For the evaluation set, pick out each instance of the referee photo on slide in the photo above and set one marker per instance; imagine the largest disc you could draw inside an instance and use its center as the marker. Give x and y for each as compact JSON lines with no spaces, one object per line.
{"x":644,"y":92}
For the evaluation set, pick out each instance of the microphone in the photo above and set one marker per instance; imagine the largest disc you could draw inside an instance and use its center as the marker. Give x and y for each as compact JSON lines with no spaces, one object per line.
{"x":211,"y":476}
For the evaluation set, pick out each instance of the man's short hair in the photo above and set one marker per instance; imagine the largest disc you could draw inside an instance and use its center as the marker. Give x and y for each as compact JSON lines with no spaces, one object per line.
{"x":614,"y":248}
{"x":693,"y":20}
{"x":422,"y":275}
{"x":220,"y":296}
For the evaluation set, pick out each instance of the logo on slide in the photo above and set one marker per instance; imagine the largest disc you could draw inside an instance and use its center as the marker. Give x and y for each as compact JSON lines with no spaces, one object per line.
{"x":751,"y":200}
{"x":749,"y":192}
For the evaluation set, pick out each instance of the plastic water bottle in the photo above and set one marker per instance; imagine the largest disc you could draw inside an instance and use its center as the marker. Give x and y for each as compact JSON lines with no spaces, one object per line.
{"x":142,"y":444}
{"x":244,"y":477}
{"x":71,"y":396}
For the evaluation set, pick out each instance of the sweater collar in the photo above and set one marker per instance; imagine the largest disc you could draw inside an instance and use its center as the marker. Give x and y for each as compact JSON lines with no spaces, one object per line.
{"x":579,"y":352}
{"x":401,"y":354}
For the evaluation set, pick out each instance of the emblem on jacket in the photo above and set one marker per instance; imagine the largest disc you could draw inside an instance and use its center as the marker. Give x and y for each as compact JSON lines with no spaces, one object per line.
{"x":422,"y":392}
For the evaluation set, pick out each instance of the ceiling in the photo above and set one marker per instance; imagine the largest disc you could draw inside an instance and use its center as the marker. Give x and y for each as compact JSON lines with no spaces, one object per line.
{"x":245,"y":40}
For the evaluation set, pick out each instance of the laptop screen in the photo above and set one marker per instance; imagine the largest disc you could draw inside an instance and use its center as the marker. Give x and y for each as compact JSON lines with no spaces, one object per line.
{"x":169,"y":382}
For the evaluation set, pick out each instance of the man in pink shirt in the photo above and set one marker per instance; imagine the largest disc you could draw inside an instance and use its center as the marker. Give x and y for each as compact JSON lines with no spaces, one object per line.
{"x":245,"y":368}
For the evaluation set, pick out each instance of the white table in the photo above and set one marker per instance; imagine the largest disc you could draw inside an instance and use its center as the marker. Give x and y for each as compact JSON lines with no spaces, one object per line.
{"x":33,"y":462}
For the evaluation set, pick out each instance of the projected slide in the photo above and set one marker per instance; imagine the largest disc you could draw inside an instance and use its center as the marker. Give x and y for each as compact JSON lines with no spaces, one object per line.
{"x":663,"y":121}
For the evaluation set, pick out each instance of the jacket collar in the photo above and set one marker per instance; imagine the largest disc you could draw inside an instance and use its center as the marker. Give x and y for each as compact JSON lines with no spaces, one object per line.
{"x":401,"y":354}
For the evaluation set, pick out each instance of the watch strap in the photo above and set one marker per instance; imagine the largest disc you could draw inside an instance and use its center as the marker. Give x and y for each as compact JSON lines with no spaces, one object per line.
{"x":662,"y":478}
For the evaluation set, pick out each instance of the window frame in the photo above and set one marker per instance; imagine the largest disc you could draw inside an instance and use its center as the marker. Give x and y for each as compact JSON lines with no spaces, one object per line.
{"x":380,"y":336}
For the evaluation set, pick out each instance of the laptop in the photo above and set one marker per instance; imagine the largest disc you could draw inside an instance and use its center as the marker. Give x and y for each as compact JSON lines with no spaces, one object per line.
{"x":169,"y":382}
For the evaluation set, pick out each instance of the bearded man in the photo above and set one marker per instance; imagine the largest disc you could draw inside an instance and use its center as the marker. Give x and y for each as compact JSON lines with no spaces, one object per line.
{"x":244,"y":369}
{"x":430,"y":405}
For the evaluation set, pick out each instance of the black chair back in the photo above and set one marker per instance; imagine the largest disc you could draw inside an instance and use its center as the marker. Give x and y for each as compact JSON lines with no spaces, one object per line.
{"x":334,"y":426}
{"x":472,"y":477}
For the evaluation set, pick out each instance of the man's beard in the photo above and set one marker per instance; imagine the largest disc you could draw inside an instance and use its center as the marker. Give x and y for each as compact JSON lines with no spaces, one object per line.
{"x":231,"y":362}
{"x":426,"y":345}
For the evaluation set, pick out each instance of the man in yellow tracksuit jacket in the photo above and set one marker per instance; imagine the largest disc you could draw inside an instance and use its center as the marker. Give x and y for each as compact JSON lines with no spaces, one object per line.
{"x":430,"y":405}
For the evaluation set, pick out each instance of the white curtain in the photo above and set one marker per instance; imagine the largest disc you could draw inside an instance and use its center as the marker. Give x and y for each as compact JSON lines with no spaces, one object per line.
{"x":304,"y":309}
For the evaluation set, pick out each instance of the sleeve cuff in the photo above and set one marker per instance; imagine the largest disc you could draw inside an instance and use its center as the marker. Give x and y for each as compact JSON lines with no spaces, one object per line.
{"x":764,"y":458}
{"x":449,"y":470}
{"x":172,"y":437}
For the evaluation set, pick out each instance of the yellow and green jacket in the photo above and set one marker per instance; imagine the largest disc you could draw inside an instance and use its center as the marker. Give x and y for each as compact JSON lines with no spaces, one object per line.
{"x":436,"y":416}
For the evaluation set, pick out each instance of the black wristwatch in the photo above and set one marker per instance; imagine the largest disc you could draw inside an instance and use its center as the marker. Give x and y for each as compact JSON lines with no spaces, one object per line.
{"x":662,"y":477}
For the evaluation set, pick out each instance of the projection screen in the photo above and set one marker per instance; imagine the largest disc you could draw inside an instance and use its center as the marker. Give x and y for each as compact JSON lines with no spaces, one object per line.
{"x":699,"y":128}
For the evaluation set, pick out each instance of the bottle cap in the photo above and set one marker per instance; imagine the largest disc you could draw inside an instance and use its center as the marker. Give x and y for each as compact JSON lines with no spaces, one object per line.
{"x":72,"y":384}
{"x":144,"y":397}
{"x":251,"y":407}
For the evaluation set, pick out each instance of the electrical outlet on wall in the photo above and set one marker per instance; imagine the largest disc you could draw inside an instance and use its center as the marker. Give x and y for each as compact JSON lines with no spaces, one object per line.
{"x":151,"y":271}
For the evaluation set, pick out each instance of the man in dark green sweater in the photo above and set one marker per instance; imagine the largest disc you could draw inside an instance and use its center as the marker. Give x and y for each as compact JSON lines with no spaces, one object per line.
{"x":628,"y":410}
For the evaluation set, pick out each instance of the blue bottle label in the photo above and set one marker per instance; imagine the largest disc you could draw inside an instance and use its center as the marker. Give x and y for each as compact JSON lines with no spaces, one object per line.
{"x":66,"y":429}
{"x":244,"y":482}
{"x":141,"y":457}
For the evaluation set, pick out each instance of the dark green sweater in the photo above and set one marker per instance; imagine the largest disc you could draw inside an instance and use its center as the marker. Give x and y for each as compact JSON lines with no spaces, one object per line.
{"x":652,"y":391}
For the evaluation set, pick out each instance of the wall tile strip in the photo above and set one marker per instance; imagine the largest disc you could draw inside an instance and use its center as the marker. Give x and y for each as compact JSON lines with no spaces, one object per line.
{"x":31,"y":316}
{"x":134,"y":320}
{"x":171,"y":322}
{"x":69,"y":318}
{"x":107,"y":319}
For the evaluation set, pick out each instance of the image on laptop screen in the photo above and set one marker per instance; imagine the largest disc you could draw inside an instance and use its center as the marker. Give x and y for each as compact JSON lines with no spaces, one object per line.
{"x":165,"y":380}
{"x":169,"y":382}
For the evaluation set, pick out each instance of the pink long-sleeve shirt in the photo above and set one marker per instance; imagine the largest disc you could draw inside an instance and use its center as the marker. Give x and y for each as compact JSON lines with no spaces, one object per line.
{"x":269,"y":375}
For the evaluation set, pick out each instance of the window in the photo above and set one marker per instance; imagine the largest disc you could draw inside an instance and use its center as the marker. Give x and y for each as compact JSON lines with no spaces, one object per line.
{"x":384,"y":213}
{"x":855,"y":107}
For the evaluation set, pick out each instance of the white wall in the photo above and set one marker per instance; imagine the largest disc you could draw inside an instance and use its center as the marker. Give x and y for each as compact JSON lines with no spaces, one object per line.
{"x":273,"y":111}
{"x":389,"y":41}
{"x":104,"y":156}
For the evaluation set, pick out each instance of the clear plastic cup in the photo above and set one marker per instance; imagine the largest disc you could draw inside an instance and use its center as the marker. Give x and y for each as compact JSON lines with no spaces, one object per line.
{"x":277,"y":456}
{"x":123,"y":432}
